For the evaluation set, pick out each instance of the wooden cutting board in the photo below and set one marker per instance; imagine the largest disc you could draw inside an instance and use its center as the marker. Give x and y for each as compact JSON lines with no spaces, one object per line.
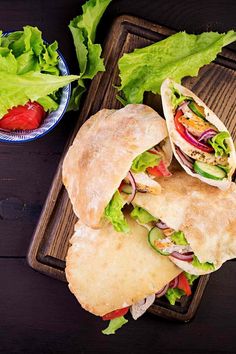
{"x":215,"y":84}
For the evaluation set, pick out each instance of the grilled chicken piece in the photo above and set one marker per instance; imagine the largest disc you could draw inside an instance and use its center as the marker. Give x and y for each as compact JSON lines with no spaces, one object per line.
{"x":195,"y":124}
{"x":146,"y":184}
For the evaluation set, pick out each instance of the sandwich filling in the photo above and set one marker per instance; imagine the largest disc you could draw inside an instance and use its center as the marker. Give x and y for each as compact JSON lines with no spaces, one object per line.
{"x":140,"y":178}
{"x":173,"y":292}
{"x":168,"y":241}
{"x":209,"y":150}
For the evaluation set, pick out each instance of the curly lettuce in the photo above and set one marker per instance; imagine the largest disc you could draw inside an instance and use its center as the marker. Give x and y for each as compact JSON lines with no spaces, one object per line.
{"x":145,"y":160}
{"x":219,"y":144}
{"x":142,"y":215}
{"x":175,"y":57}
{"x":203,"y":266}
{"x":83,"y":29}
{"x":29,"y":70}
{"x":113,"y":212}
{"x":178,"y":238}
{"x":114,"y":325}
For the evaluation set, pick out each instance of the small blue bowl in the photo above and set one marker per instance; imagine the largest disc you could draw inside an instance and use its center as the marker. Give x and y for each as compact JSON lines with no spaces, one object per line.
{"x":51,"y":119}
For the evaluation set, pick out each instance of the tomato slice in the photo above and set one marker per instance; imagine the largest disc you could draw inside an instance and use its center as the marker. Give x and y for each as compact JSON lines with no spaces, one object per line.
{"x":183,"y":284}
{"x":25,"y":117}
{"x":159,"y":171}
{"x":116,"y":313}
{"x":179,"y":127}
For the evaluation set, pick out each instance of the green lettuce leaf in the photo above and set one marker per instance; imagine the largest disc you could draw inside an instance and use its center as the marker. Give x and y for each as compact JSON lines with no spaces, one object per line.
{"x":76,"y":95}
{"x":219,"y":145}
{"x":175,"y":57}
{"x":143,"y":216}
{"x":83,"y":29}
{"x":178,"y":238}
{"x":19,"y":89}
{"x":114,"y":325}
{"x":203,"y":266}
{"x":144,"y":160}
{"x":177,"y":98}
{"x":115,"y":215}
{"x":29,"y":70}
{"x":190,"y":277}
{"x":174,"y":294}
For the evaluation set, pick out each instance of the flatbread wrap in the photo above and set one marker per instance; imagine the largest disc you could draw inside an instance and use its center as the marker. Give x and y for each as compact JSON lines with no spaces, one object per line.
{"x":110,"y":272}
{"x":114,"y":151}
{"x":191,"y":222}
{"x":200,"y":141}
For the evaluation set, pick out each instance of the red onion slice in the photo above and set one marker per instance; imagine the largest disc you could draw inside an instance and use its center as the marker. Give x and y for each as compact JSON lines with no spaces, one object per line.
{"x":186,"y":160}
{"x":133,"y":185}
{"x":140,"y":308}
{"x":182,"y":107}
{"x":209,"y":133}
{"x":174,"y":283}
{"x":196,"y":143}
{"x":162,"y":292}
{"x":161,"y":225}
{"x":187,"y":257}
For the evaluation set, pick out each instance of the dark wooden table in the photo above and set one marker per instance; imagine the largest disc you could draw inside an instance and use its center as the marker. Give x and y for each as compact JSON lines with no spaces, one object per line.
{"x":37,"y":313}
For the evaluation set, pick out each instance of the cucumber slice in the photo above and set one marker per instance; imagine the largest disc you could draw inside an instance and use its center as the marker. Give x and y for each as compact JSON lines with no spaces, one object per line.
{"x":209,"y":171}
{"x":199,"y":111}
{"x":154,"y":235}
{"x":127,"y":189}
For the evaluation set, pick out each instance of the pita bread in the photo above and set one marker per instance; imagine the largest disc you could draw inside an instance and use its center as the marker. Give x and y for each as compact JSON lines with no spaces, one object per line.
{"x":107,"y":270}
{"x":176,"y":139}
{"x":205,"y":214}
{"x":102,"y":153}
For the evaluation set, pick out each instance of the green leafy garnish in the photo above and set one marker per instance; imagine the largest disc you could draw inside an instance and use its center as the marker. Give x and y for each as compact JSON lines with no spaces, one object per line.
{"x":145,"y":160}
{"x":174,"y":294}
{"x":115,"y":215}
{"x":191,"y":277}
{"x":143,"y":216}
{"x":203,"y":266}
{"x":178,"y":238}
{"x":29,"y":70}
{"x":114,"y":325}
{"x":83,"y":29}
{"x":219,"y":145}
{"x":175,"y":57}
{"x":177,"y":98}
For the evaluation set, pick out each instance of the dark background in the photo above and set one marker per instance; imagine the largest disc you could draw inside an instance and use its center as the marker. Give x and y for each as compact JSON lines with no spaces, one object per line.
{"x":38,"y":314}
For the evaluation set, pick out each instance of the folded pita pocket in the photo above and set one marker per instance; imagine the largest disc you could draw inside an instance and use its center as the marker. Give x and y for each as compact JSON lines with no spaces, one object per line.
{"x":102,"y":154}
{"x":196,"y":118}
{"x":205,"y":215}
{"x":107,"y":271}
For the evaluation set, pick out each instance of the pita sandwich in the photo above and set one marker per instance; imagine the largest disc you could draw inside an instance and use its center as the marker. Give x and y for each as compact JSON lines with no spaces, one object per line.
{"x":107,"y":270}
{"x":200,"y":141}
{"x":114,"y":146}
{"x":191,"y":222}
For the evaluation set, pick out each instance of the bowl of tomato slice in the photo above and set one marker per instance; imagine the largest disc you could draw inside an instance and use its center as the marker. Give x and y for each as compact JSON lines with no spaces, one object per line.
{"x":35,"y":118}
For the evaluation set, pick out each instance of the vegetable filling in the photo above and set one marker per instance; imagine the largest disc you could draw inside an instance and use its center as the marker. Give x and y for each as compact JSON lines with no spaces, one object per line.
{"x":210,"y":160}
{"x":167,"y":241}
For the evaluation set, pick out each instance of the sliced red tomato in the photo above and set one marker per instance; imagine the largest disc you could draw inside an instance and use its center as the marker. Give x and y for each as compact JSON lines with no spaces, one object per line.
{"x":183,"y":284}
{"x":159,"y":171}
{"x":179,"y":127}
{"x":25,"y":117}
{"x":115,"y":314}
{"x":190,"y":139}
